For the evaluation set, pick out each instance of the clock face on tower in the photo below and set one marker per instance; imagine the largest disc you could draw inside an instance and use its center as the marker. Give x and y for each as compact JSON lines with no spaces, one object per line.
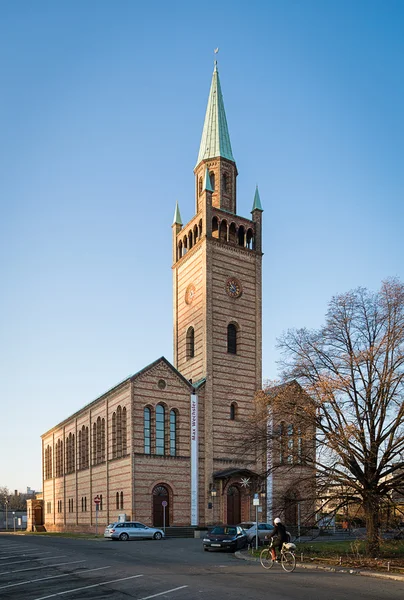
{"x":233,"y":287}
{"x":190,"y":293}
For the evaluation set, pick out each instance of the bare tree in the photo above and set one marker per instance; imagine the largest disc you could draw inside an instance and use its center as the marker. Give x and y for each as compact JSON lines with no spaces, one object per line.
{"x":352,"y":370}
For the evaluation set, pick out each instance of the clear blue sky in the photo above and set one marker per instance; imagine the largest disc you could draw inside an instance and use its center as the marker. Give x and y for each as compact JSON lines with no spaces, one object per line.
{"x":101,"y":113}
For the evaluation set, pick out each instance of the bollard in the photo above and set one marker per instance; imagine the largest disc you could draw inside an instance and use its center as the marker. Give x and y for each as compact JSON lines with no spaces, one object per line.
{"x":301,"y":557}
{"x":340,"y":560}
{"x":388,"y":566}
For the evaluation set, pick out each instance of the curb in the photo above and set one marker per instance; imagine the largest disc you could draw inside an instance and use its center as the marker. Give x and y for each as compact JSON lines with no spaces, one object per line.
{"x":392,"y":576}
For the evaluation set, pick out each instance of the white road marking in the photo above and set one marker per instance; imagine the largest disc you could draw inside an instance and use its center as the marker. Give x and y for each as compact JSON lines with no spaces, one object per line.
{"x":155,"y":595}
{"x":44,"y":567}
{"x":87,"y":587}
{"x":32,"y":560}
{"x":20,"y":553}
{"x":52,"y":577}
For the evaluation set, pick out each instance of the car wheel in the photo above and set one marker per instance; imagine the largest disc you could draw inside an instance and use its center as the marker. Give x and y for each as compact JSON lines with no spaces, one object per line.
{"x":124,"y":537}
{"x":157,"y":536}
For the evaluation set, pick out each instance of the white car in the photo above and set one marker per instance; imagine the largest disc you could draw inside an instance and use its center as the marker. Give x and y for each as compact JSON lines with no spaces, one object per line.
{"x":132,"y":530}
{"x":264,"y":531}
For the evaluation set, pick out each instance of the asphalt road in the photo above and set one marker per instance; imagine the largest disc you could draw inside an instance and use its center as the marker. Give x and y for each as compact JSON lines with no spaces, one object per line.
{"x":38,"y":568}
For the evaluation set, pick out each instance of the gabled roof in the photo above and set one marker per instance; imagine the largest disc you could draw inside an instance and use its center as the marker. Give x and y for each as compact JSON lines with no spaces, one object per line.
{"x":121,"y":383}
{"x":215,"y":135}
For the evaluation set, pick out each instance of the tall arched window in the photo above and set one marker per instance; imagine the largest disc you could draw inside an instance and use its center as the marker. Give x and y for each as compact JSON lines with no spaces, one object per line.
{"x":200,"y":184}
{"x":282,"y":438}
{"x":173,"y":433}
{"x":232,"y":339}
{"x":48,"y":462}
{"x":212,"y":180}
{"x":59,"y":458}
{"x":290,"y":444}
{"x":147,"y":430}
{"x":160,"y":437}
{"x":114,"y":435}
{"x":117,"y":500}
{"x":119,"y":431}
{"x":233,"y":411}
{"x":121,"y":499}
{"x":225,"y":183}
{"x":190,"y":343}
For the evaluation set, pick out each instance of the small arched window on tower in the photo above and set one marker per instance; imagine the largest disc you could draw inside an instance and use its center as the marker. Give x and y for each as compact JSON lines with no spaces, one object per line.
{"x":225,"y":183}
{"x":232,"y":338}
{"x":233,"y":410}
{"x":212,"y":180}
{"x":200,"y":185}
{"x":190,"y":343}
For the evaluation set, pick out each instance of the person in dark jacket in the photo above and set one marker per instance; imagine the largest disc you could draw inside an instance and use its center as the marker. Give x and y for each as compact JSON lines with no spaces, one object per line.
{"x":279,"y":535}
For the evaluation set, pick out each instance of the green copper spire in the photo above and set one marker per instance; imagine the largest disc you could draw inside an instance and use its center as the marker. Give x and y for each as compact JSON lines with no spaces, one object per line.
{"x":177,"y":215}
{"x":215,"y":135}
{"x":257,"y":201}
{"x":207,"y":184}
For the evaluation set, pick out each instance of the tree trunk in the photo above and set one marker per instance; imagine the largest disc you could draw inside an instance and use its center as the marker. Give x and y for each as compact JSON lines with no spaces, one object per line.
{"x":371,"y":508}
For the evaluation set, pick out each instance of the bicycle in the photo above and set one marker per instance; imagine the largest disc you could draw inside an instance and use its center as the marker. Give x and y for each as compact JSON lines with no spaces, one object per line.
{"x":288,"y":558}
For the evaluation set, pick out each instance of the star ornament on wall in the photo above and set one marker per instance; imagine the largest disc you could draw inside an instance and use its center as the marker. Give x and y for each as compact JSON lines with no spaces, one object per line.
{"x":245,"y":482}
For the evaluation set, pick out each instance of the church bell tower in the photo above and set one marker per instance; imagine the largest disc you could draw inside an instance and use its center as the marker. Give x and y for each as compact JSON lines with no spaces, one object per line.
{"x":217,"y":292}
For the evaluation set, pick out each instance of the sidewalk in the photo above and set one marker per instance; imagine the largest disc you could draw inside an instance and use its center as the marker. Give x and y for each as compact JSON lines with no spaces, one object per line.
{"x":243,"y":555}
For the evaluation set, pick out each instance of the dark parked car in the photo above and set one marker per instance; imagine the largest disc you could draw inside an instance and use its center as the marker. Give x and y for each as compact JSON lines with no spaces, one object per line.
{"x":225,"y":537}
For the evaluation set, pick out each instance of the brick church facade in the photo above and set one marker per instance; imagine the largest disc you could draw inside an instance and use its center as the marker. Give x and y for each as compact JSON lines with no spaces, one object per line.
{"x":164,"y":436}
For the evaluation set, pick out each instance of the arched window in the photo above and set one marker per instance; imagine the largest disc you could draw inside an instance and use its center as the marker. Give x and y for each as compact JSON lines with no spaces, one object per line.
{"x":232,"y":339}
{"x":250,"y":239}
{"x":147,"y":430}
{"x":117,"y":500}
{"x":223,"y":231}
{"x":215,"y":227}
{"x":160,"y":422}
{"x":200,"y":185}
{"x":241,"y":236}
{"x":290,"y":444}
{"x":100,"y":507}
{"x":48,"y":462}
{"x":190,"y":343}
{"x":124,"y":433}
{"x":173,"y":433}
{"x":121,"y":499}
{"x":225,"y":183}
{"x":114,"y":435}
{"x":232,"y":233}
{"x":212,"y":180}
{"x":119,"y":431}
{"x":59,"y":458}
{"x":233,"y":407}
{"x":282,"y":442}
{"x":190,"y":240}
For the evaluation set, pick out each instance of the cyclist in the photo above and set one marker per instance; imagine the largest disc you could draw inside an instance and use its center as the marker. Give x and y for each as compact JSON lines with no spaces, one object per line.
{"x":279,"y":535}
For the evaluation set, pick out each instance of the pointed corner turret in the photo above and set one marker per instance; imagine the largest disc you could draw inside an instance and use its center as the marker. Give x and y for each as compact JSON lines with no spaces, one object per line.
{"x":207,"y":185}
{"x":177,"y":215}
{"x":257,"y":201}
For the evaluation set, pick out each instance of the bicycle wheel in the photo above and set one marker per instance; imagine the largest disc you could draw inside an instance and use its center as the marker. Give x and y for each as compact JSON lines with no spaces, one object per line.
{"x":266,"y":558}
{"x":288,"y":561}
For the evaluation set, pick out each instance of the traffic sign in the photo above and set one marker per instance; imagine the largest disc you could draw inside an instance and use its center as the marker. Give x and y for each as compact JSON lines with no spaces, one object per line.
{"x":164,"y":503}
{"x":97,"y":500}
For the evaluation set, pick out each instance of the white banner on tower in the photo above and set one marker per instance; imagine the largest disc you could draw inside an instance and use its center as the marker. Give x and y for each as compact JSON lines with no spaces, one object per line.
{"x":194,"y":460}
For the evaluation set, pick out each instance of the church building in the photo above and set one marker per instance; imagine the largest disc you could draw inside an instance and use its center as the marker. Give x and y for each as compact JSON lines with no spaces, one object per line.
{"x":158,"y":447}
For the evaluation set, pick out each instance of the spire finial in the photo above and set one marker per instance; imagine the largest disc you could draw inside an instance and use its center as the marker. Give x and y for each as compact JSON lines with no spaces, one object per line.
{"x":216,"y":50}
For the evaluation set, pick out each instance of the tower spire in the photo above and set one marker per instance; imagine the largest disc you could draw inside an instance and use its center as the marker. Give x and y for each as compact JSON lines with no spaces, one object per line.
{"x":215,"y":139}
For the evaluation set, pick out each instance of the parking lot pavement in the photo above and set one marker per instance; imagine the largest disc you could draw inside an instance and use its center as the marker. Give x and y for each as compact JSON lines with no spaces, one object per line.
{"x":27,"y":572}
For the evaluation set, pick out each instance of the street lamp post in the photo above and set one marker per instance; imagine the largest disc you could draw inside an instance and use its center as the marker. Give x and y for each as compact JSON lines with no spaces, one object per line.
{"x":14,"y":520}
{"x":6,"y":505}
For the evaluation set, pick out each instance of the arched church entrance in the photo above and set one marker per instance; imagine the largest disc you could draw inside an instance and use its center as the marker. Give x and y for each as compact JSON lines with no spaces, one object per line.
{"x":161,"y":506}
{"x":38,"y":520}
{"x":233,"y":505}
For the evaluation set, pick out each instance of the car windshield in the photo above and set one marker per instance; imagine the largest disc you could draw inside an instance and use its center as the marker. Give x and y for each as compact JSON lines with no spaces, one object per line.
{"x":224,"y":530}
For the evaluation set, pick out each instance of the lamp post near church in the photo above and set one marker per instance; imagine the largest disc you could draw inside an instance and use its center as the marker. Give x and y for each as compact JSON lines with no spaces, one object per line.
{"x":6,"y":505}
